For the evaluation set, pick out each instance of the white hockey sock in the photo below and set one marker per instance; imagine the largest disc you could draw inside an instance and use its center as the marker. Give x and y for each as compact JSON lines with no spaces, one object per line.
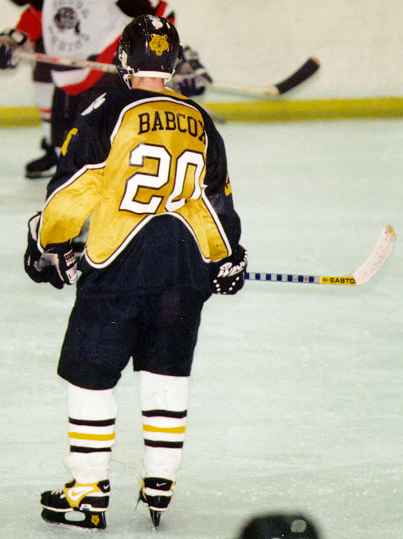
{"x":164,"y":402}
{"x":43,"y":98}
{"x":91,"y":434}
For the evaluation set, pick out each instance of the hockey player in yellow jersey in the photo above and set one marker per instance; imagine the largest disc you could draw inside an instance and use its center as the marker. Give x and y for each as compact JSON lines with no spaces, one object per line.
{"x":147,"y":169}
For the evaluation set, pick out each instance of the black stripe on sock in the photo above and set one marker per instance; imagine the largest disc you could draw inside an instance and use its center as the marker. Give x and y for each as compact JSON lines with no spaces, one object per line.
{"x":168,"y":445}
{"x":78,"y":449}
{"x":165,"y":413}
{"x":96,"y":423}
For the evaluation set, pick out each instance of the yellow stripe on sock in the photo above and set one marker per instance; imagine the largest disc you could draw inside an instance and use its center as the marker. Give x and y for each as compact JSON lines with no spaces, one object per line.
{"x":98,"y":437}
{"x":167,"y":430}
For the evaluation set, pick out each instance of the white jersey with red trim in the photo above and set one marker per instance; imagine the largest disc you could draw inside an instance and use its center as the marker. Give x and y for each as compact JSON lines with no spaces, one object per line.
{"x":79,"y":29}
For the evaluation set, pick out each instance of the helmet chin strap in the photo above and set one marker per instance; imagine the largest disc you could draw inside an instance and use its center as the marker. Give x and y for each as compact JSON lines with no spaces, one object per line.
{"x":129,"y":74}
{"x":153,"y":74}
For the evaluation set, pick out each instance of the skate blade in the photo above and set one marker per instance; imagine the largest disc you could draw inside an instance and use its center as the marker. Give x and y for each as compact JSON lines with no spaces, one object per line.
{"x":78,"y":520}
{"x":155,"y":518}
{"x":154,"y":515}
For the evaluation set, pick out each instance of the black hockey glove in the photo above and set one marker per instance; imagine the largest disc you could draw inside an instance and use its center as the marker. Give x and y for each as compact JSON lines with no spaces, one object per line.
{"x":33,"y":263}
{"x":14,"y":39}
{"x":229,"y":277}
{"x":57,"y":266}
{"x":191,"y":77}
{"x":61,"y":258}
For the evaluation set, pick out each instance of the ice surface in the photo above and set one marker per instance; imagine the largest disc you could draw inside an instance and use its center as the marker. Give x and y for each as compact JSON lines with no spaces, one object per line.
{"x":296,"y":391}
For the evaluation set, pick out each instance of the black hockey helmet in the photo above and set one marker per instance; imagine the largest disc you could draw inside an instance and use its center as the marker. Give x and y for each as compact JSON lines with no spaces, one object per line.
{"x":134,"y":8}
{"x":276,"y":525}
{"x":149,"y":47}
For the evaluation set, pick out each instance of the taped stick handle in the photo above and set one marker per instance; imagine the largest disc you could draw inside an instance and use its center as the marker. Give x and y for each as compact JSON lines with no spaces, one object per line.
{"x":341,"y":280}
{"x":370,"y":267}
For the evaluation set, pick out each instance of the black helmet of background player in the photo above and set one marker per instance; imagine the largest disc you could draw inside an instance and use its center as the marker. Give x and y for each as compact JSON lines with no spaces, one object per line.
{"x":149,"y":47}
{"x":274,"y":526}
{"x":134,"y":8}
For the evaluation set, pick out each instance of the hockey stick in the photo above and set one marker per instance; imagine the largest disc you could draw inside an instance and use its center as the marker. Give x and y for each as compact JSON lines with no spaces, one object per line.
{"x":63,"y":61}
{"x":376,"y":259}
{"x":301,"y":75}
{"x":273,"y":90}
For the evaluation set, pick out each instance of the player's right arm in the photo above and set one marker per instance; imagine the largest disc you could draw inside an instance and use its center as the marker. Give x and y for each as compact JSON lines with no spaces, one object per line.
{"x":72,"y":195}
{"x":75,"y":190}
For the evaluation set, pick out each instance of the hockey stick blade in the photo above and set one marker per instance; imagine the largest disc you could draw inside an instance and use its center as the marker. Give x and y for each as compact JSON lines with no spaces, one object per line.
{"x":378,"y":256}
{"x":306,"y":71}
{"x":376,"y":259}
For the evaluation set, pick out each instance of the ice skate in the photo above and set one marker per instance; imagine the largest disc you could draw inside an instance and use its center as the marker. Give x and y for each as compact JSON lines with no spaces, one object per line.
{"x":156,"y":493}
{"x":45,"y":166}
{"x":80,"y":505}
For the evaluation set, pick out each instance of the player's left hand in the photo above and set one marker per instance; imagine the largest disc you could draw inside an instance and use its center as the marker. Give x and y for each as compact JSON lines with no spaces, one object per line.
{"x":62,"y":258}
{"x":33,"y":264}
{"x":229,"y":277}
{"x":191,"y":77}
{"x":57,"y":266}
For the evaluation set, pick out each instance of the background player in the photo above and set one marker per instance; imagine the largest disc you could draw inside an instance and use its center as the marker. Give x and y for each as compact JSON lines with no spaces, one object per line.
{"x":87,"y":30}
{"x":149,"y":168}
{"x":45,"y":166}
